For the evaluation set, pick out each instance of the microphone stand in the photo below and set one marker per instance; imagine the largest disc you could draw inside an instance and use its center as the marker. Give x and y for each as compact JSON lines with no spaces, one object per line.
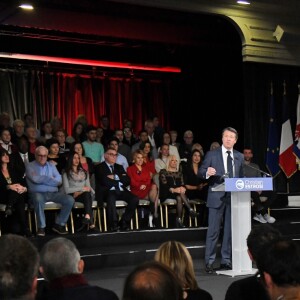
{"x":261,"y":171}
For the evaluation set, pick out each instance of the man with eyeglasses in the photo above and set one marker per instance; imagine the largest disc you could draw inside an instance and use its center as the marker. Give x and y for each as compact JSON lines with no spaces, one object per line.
{"x":185,"y":149}
{"x":121,"y":159}
{"x":111,"y":185}
{"x":43,"y":181}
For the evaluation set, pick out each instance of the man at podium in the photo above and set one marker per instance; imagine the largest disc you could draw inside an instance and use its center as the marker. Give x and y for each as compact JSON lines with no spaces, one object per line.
{"x":218,"y":164}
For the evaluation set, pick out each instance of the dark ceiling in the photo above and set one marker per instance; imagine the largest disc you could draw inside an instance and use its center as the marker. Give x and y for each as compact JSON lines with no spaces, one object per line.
{"x":108,"y":30}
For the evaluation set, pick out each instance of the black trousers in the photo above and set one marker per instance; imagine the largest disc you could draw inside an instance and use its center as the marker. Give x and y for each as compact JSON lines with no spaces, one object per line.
{"x":112,"y":197}
{"x":86,"y":199}
{"x":16,"y":222}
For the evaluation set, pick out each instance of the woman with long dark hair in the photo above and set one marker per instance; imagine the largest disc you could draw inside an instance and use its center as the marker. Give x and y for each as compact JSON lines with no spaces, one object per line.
{"x":76,"y":182}
{"x":13,"y":192}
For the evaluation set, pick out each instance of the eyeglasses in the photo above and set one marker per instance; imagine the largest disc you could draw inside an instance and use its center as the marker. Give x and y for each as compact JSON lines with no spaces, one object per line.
{"x":42,"y":156}
{"x":112,"y":154}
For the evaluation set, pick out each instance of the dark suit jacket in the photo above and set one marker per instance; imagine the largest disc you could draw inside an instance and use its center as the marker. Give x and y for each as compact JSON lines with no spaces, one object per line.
{"x":214,"y":159}
{"x":72,"y":287}
{"x":18,"y":163}
{"x":246,"y":289}
{"x":103,"y":184}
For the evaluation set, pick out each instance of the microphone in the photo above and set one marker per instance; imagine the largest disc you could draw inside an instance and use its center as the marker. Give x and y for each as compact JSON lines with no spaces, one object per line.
{"x":254,"y":168}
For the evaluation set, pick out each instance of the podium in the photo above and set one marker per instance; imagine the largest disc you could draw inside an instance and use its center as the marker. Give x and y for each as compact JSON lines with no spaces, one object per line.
{"x":240,"y":189}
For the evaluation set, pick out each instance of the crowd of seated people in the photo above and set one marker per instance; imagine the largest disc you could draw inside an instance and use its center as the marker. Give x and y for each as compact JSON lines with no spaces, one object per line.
{"x":23,"y":141}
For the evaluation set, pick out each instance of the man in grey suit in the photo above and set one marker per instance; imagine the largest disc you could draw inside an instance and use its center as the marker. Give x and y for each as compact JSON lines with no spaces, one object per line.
{"x":219,"y":163}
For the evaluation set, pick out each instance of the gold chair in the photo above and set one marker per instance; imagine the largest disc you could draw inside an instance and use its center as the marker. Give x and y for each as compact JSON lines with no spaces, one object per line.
{"x":49,"y":206}
{"x":120,"y":205}
{"x":96,"y":214}
{"x":193,"y":203}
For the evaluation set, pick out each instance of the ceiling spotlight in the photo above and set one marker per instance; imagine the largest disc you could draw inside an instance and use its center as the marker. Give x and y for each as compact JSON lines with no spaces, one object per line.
{"x":243,"y":2}
{"x":26,"y":6}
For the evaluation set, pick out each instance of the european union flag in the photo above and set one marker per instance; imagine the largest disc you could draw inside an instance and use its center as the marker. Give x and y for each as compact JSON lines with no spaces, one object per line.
{"x":272,"y":156}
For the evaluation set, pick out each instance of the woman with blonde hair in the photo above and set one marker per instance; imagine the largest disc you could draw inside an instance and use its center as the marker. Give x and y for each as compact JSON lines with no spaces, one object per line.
{"x":171,"y":186}
{"x":177,"y":257}
{"x":141,"y":185}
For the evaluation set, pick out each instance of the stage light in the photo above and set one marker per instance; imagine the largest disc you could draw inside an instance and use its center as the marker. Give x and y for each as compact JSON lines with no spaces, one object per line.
{"x":93,"y":63}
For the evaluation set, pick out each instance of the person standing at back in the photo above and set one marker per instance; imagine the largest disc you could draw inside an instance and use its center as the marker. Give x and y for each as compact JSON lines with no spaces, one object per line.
{"x":260,"y":208}
{"x":218,"y":163}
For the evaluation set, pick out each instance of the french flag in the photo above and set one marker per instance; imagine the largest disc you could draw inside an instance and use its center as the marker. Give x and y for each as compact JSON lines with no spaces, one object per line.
{"x":297,"y":130}
{"x":287,"y":161}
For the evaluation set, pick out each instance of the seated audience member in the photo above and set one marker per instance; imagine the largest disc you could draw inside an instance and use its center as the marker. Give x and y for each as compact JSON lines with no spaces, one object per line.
{"x":19,"y":265}
{"x":45,"y":132}
{"x":171,"y":186}
{"x":92,"y":149}
{"x":214,"y":145}
{"x":18,"y":130}
{"x":81,"y":118}
{"x":108,"y":133}
{"x":31,"y":133}
{"x":250,"y":288}
{"x":5,"y":122}
{"x":121,"y":159}
{"x":54,"y":157}
{"x":198,"y":147}
{"x":161,"y":161}
{"x":279,"y":269}
{"x":172,"y":149}
{"x":129,"y":137}
{"x":62,"y":269}
{"x":111,"y":184}
{"x":76,"y":183}
{"x":86,"y":162}
{"x":64,"y":147}
{"x":5,"y":141}
{"x":13,"y":192}
{"x":174,"y":135}
{"x":177,"y":257}
{"x":57,"y":124}
{"x":123,"y":148}
{"x":196,"y":187}
{"x":21,"y":158}
{"x":149,"y":161}
{"x":99,"y":135}
{"x":43,"y":181}
{"x":158,"y":131}
{"x":193,"y":183}
{"x":152,"y":137}
{"x":143,"y":137}
{"x":152,"y":281}
{"x":260,"y":208}
{"x":78,"y":134}
{"x":142,"y":186}
{"x":185,"y":149}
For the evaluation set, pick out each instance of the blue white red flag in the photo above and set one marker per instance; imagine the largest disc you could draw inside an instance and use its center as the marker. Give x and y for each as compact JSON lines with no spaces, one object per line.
{"x":297,"y":131}
{"x":287,"y":161}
